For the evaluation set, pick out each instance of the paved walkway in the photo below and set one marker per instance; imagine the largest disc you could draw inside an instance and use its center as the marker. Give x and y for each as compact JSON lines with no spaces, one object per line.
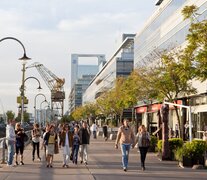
{"x":104,"y":164}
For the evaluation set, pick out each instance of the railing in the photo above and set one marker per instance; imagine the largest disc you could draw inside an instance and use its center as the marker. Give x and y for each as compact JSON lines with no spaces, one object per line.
{"x":3,"y":147}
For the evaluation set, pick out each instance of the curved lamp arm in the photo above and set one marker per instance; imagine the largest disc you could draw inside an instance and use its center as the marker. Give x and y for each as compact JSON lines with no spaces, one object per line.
{"x":35,"y":79}
{"x":24,"y":57}
{"x":39,"y":94}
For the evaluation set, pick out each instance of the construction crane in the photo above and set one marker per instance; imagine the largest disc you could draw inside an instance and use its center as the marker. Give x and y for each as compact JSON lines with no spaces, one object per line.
{"x":55,"y":84}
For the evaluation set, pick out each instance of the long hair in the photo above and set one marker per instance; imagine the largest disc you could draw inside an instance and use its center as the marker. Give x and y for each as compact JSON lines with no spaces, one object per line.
{"x":142,"y":128}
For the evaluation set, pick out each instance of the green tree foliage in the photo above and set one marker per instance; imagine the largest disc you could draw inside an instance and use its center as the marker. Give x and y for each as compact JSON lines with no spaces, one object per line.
{"x":10,"y":115}
{"x":66,"y":119}
{"x":195,"y":53}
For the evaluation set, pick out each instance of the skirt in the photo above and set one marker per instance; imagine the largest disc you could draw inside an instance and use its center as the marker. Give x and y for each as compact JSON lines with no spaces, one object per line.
{"x":50,"y":149}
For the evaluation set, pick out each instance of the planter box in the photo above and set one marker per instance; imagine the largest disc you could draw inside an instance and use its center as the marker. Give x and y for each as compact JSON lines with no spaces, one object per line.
{"x":189,"y":161}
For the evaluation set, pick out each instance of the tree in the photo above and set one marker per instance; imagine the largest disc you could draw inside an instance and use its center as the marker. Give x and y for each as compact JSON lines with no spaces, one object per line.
{"x":195,"y":53}
{"x":165,"y":79}
{"x":66,"y":119}
{"x":10,"y":115}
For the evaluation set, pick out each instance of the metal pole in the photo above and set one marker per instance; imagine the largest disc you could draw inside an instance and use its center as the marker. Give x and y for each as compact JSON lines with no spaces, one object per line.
{"x":22,"y":92}
{"x":190,"y":124}
{"x":3,"y":141}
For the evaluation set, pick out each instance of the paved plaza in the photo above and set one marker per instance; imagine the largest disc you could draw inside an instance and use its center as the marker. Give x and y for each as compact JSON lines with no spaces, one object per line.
{"x":104,"y":164}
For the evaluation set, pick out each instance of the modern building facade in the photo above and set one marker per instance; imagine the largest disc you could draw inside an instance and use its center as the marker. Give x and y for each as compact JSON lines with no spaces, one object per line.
{"x":81,"y":76}
{"x":165,"y":30}
{"x":75,"y":97}
{"x":120,"y":64}
{"x":78,"y":70}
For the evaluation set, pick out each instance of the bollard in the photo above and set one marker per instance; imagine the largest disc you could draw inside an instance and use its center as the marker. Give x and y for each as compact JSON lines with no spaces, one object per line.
{"x":3,"y":152}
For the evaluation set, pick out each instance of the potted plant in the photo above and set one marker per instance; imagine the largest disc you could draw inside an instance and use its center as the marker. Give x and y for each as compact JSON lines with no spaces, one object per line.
{"x":174,"y":145}
{"x":192,"y":153}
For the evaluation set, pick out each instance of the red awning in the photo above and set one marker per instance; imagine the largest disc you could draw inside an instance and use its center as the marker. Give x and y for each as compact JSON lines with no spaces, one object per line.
{"x":141,"y":109}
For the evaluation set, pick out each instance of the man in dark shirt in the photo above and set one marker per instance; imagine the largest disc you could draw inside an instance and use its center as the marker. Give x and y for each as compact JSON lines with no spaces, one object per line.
{"x":84,"y":134}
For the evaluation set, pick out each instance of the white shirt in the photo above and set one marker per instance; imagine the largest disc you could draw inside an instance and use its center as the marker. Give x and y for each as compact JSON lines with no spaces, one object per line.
{"x":66,"y":139}
{"x":93,"y":127}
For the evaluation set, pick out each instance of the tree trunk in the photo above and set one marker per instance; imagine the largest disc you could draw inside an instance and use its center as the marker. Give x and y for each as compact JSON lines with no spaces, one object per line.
{"x":180,"y":125}
{"x":165,"y":132}
{"x":159,"y":124}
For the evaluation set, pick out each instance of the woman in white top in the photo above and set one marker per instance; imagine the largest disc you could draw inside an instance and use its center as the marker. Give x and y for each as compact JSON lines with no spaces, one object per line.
{"x":36,"y":133}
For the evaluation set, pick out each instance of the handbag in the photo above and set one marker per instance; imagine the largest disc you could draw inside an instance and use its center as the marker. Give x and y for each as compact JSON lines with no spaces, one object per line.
{"x":56,"y":150}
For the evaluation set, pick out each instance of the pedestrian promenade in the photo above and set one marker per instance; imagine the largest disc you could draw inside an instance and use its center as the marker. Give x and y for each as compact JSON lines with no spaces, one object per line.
{"x":104,"y":164}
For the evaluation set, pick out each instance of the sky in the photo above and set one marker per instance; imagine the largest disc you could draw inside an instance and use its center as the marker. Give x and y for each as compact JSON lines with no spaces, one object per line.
{"x":51,"y":30}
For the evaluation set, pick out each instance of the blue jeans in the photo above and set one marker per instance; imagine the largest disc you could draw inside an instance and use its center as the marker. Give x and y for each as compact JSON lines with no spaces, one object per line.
{"x":10,"y":147}
{"x":125,"y":148}
{"x":75,"y":153}
{"x":94,"y":134}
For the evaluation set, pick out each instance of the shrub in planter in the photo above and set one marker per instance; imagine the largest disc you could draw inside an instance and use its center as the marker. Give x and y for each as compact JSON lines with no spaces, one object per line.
{"x":174,"y":144}
{"x":192,"y":153}
{"x":153,"y":143}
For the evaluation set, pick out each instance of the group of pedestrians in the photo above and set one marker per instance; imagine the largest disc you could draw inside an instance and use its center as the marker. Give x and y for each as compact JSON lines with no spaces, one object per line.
{"x":15,"y":142}
{"x":72,"y":141}
{"x":127,"y":139}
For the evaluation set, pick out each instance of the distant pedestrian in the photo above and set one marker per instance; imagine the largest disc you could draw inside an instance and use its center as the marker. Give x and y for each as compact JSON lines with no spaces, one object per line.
{"x":186,"y":126}
{"x":84,"y":134}
{"x":76,"y":144}
{"x":105,"y":132}
{"x":205,"y":136}
{"x":143,"y":140}
{"x":20,"y":136}
{"x":94,"y":129}
{"x":10,"y":140}
{"x":49,"y":140}
{"x":47,"y":129}
{"x":176,"y":131}
{"x":66,"y":142}
{"x":36,"y":133}
{"x":125,"y":137}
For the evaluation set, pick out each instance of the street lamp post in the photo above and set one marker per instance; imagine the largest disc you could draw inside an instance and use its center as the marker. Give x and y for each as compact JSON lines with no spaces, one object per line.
{"x":24,"y":60}
{"x":43,"y":112}
{"x":35,"y":100}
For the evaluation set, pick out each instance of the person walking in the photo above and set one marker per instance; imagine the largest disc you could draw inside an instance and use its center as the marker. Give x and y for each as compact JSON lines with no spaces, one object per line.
{"x":176,"y":131}
{"x":143,"y":140}
{"x":66,"y":139}
{"x":84,"y":134}
{"x":50,"y":139}
{"x":43,"y":146}
{"x":76,"y":144}
{"x":105,"y":131}
{"x":20,"y":135}
{"x":126,"y":138}
{"x":94,"y":129}
{"x":36,"y":133}
{"x":10,"y":141}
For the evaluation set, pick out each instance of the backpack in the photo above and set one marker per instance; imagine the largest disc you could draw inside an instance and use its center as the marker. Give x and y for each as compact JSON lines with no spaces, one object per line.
{"x":145,"y":140}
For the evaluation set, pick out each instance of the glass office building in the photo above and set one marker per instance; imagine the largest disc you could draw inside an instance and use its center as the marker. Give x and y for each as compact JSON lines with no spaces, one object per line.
{"x":120,"y":64}
{"x":165,"y":30}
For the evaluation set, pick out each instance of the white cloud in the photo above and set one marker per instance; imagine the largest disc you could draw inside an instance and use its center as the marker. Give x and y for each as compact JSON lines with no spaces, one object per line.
{"x":54,"y":30}
{"x":70,"y":25}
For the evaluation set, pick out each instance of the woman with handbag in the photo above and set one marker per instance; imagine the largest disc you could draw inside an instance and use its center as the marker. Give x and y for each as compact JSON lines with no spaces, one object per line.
{"x":50,"y":140}
{"x":143,"y":140}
